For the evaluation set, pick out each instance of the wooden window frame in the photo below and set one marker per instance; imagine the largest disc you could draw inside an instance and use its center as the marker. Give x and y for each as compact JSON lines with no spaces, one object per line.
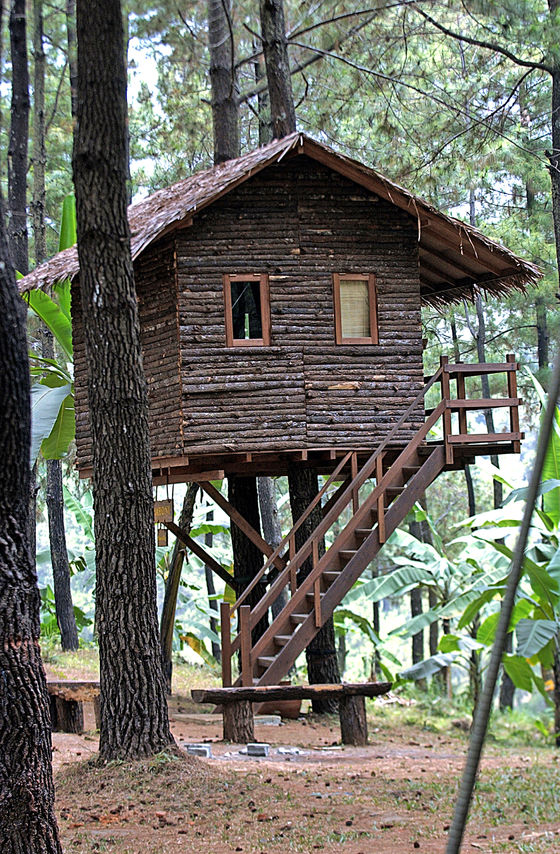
{"x":262,"y":279}
{"x":353,"y":277}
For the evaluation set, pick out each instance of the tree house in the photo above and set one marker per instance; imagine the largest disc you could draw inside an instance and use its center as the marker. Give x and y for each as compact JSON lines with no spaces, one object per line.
{"x":279,"y":298}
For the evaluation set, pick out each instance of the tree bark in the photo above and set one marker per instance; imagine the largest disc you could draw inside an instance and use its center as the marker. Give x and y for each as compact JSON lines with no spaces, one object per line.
{"x":223,"y":81}
{"x":18,"y":143}
{"x":39,"y":131}
{"x":275,"y":48}
{"x":247,"y":558}
{"x":507,"y":688}
{"x":542,"y":333}
{"x":167,"y":622}
{"x":27,"y":819}
{"x":353,"y":721}
{"x":263,"y":101}
{"x":322,"y":663}
{"x":272,"y":531}
{"x":134,"y":720}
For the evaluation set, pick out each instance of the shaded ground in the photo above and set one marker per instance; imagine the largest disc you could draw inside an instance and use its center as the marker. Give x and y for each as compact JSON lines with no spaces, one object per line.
{"x":396,"y":795}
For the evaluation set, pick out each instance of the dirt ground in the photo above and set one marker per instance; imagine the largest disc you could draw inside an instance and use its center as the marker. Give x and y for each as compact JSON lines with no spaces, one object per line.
{"x":395,"y":795}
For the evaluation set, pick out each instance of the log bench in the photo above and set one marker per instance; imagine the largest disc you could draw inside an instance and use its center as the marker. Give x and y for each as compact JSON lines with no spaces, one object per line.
{"x":238,"y":711}
{"x":66,"y":703}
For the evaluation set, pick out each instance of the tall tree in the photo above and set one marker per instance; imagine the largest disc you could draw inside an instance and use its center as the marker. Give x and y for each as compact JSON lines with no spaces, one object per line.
{"x":18,"y":144}
{"x":223,"y":81}
{"x":134,"y":719}
{"x":27,"y":819}
{"x":275,"y":49}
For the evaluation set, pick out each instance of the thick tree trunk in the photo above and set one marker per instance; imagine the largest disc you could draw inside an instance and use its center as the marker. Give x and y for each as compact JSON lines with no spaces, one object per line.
{"x":18,"y":143}
{"x":275,"y":48}
{"x":247,"y":558}
{"x":211,"y":590}
{"x":134,"y":719}
{"x":27,"y":819}
{"x":322,"y":663}
{"x":223,"y":81}
{"x":542,"y":333}
{"x":167,"y":622}
{"x":263,"y":101}
{"x":272,"y":531}
{"x":39,"y":142}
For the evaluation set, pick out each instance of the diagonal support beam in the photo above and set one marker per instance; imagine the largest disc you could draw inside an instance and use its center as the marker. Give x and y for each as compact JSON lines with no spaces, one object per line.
{"x":241,"y":523}
{"x":200,"y":552}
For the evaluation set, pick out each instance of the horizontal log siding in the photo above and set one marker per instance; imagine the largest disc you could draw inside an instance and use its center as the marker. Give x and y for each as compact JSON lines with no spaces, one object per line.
{"x":299,"y":223}
{"x":157,"y":301}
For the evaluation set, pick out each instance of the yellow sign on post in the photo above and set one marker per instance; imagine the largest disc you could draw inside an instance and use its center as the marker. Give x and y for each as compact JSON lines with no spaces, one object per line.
{"x":163,"y":511}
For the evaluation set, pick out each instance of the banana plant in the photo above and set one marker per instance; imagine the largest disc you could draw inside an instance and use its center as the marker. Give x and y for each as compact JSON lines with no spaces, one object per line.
{"x":52,"y":393}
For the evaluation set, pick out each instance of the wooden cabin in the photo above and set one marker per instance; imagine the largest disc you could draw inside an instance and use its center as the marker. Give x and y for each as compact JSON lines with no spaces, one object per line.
{"x":280,"y":298}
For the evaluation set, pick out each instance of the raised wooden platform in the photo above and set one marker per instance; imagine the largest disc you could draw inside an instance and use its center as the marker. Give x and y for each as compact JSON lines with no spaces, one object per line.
{"x":66,"y":703}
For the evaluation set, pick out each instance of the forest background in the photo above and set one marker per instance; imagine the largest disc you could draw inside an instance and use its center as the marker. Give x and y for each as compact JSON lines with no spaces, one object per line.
{"x":464,"y":122}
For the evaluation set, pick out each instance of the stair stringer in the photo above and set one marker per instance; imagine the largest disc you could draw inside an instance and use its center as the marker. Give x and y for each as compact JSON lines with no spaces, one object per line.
{"x":394,"y":515}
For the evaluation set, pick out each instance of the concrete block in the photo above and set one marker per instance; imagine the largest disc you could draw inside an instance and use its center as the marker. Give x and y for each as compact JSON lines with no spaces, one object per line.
{"x":199,"y":750}
{"x":258,"y":749}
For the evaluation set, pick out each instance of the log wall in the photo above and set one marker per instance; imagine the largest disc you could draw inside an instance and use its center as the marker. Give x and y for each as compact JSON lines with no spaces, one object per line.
{"x":298,"y":222}
{"x":157,"y":304}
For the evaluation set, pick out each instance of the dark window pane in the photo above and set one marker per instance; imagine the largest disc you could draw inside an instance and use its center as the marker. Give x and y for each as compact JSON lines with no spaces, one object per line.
{"x":246,"y":310}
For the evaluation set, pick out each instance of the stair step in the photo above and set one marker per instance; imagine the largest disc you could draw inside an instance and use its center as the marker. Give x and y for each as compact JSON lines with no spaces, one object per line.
{"x":311,"y":596}
{"x":363,"y":533}
{"x":282,"y":640}
{"x":265,"y":660}
{"x":330,"y":576}
{"x":410,"y":471}
{"x":393,"y":491}
{"x":298,"y":618}
{"x":347,"y":554}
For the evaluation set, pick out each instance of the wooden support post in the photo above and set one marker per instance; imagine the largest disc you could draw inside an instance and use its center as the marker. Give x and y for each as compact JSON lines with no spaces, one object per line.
{"x":239,"y":725}
{"x":514,"y":410}
{"x":446,"y":395}
{"x":225,"y":632}
{"x":353,"y":721}
{"x":354,"y":472}
{"x":461,"y":396}
{"x":293,"y":575}
{"x":246,"y":643}
{"x":69,"y":715}
{"x":380,"y":500}
{"x":97,"y":712}
{"x":200,"y":552}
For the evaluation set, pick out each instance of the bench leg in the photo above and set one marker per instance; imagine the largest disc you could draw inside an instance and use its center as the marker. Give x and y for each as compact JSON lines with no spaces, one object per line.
{"x":69,"y":715}
{"x":353,"y":722}
{"x":238,"y":722}
{"x":97,"y":712}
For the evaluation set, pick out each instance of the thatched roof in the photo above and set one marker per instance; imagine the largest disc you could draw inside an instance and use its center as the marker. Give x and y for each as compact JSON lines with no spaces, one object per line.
{"x":454,"y":257}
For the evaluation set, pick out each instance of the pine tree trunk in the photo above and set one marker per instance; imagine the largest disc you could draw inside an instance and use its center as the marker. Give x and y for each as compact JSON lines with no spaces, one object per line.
{"x":247,"y":558}
{"x":134,"y":720}
{"x":72,"y":55}
{"x":271,"y":528}
{"x":322,"y":663}
{"x":542,"y":333}
{"x":27,"y":819}
{"x":167,"y":622}
{"x":39,"y":143}
{"x":18,"y":143}
{"x":223,"y":81}
{"x":263,"y":101}
{"x":275,"y":48}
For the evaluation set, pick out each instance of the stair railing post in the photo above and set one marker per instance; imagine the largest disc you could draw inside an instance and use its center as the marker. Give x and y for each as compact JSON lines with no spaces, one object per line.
{"x":380,"y":501}
{"x":446,"y":396}
{"x":291,"y":554}
{"x":514,"y":410}
{"x":316,"y":586}
{"x":354,"y":474}
{"x":245,"y":632}
{"x":225,"y":632}
{"x":461,"y":396}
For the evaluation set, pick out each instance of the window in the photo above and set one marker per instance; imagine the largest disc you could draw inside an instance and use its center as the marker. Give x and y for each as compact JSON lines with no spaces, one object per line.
{"x":355,"y":308}
{"x":247,"y":311}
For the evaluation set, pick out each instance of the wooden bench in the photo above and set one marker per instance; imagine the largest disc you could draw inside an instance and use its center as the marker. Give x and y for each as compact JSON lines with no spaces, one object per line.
{"x":66,"y":703}
{"x":238,"y":710}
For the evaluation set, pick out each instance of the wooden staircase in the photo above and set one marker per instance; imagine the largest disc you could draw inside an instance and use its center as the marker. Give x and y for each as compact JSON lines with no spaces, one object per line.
{"x":374,"y":515}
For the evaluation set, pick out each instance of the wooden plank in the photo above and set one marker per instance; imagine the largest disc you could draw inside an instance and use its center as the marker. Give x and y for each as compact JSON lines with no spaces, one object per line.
{"x":477,"y":438}
{"x":200,"y":552}
{"x":484,"y":403}
{"x":512,"y":391}
{"x":446,"y":396}
{"x":454,"y":368}
{"x":242,"y":523}
{"x":245,"y":634}
{"x":225,"y":632}
{"x":260,"y":693}
{"x":73,"y":690}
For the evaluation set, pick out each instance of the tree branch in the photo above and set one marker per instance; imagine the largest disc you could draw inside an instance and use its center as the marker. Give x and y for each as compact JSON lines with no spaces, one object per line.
{"x":496,"y":48}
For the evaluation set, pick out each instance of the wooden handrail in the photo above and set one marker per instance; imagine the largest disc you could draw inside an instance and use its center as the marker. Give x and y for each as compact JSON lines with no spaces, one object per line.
{"x":291,"y":533}
{"x":364,"y":473}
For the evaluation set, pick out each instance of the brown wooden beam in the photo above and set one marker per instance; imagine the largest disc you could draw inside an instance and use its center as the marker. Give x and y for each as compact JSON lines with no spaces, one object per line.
{"x":260,"y":693}
{"x":200,"y":552}
{"x":241,"y":522}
